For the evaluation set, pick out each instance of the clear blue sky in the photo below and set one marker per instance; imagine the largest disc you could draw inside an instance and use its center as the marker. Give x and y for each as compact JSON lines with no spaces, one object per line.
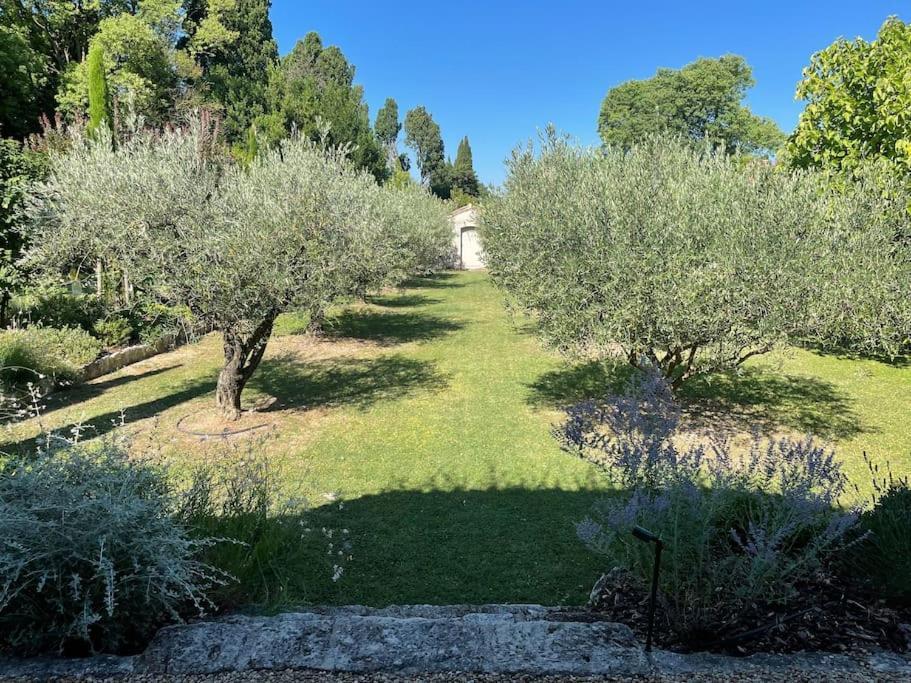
{"x":499,"y":71}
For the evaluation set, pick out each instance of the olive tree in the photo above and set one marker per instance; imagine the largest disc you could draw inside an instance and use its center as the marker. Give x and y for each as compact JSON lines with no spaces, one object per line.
{"x":407,"y":233}
{"x":688,"y":260}
{"x":237,"y":246}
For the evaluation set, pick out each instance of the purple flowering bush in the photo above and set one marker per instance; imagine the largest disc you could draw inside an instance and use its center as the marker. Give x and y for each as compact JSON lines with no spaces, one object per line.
{"x":737,"y":527}
{"x":882,"y":560}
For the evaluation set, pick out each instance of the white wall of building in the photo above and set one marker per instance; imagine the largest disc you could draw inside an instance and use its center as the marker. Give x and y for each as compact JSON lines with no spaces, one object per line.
{"x":465,"y":240}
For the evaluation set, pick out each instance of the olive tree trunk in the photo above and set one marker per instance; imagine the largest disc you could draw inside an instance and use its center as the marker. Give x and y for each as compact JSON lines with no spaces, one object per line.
{"x":243,"y":352}
{"x":316,"y":324}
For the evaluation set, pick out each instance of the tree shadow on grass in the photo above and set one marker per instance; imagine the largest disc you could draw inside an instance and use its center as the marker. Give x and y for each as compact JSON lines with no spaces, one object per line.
{"x":574,"y":383}
{"x":762,"y":398}
{"x":105,"y":423}
{"x":79,"y":393}
{"x":432,"y":281}
{"x":402,"y":300}
{"x":388,"y":329}
{"x":740,"y":401}
{"x":497,"y":545}
{"x":359,"y":382}
{"x":295,"y":383}
{"x":902,"y":361}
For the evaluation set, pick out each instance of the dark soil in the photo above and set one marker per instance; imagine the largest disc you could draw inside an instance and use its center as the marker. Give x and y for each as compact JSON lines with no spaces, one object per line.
{"x":826,"y":617}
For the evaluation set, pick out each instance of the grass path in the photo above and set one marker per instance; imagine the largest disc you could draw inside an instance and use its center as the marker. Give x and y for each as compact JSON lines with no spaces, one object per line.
{"x":421,"y":424}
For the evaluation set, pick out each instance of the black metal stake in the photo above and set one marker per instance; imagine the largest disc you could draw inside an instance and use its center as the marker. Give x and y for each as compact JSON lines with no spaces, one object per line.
{"x":649,"y":537}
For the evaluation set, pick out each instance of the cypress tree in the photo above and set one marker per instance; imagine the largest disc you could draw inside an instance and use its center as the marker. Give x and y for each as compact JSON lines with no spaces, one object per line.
{"x":387,"y":129}
{"x":423,"y":135}
{"x":98,"y":88}
{"x":463,"y":175}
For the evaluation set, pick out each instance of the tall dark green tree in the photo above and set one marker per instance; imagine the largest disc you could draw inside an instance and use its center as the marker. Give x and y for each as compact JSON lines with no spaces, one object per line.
{"x":313,"y":92}
{"x":463,"y":176}
{"x":19,"y":168}
{"x":236,"y":57}
{"x":702,"y":101}
{"x":387,"y":129}
{"x":423,"y":135}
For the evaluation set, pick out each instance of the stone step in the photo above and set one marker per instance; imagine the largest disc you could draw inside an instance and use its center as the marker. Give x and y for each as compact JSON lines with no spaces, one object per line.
{"x":406,"y":640}
{"x":423,"y":639}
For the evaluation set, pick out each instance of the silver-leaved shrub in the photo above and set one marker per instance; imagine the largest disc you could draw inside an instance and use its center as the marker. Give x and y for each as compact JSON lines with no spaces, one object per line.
{"x":737,"y":528}
{"x":91,"y":552}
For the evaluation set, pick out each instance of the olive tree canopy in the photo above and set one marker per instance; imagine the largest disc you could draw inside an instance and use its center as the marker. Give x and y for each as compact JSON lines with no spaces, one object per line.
{"x":685,"y":259}
{"x":237,"y":246}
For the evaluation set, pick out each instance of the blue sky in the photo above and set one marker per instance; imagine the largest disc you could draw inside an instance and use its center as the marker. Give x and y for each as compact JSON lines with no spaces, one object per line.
{"x":499,"y":71}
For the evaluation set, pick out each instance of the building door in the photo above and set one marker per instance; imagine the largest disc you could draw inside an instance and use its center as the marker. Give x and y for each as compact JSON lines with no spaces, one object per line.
{"x":470,"y":249}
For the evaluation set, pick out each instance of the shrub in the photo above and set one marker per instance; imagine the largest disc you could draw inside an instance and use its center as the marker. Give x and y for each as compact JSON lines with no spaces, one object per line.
{"x":56,"y":307}
{"x":90,"y":554}
{"x":663,"y":254}
{"x":737,"y":529}
{"x":35,"y":352}
{"x":153,"y":320}
{"x":882,"y":559}
{"x":113,"y":331}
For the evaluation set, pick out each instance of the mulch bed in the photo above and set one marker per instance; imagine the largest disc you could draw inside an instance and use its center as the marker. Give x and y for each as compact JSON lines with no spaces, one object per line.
{"x":827,"y":617}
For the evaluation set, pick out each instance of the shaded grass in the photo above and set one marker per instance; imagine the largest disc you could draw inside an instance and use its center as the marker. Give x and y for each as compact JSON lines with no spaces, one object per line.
{"x":858,"y":405}
{"x":421,"y":423}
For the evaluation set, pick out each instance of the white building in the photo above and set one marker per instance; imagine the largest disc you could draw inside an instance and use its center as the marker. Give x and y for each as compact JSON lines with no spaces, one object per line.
{"x":469,"y":254}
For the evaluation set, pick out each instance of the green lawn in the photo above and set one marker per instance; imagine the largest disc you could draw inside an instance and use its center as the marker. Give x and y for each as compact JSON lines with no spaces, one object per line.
{"x":427,"y":415}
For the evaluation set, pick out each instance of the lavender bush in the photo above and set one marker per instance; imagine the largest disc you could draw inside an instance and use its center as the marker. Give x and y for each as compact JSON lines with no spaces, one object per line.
{"x":882,"y":560}
{"x":738,"y":528}
{"x":91,"y":554}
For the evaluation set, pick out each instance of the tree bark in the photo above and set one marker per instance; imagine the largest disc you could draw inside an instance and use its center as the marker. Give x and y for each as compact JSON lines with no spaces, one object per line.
{"x":243,"y":352}
{"x":317,"y":321}
{"x":4,"y":309}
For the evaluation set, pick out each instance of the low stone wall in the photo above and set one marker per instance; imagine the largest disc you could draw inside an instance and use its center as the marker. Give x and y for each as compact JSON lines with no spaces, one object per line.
{"x":133,"y":354}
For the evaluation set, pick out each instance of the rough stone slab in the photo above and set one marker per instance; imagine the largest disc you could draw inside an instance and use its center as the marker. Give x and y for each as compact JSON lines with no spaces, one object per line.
{"x":44,"y":668}
{"x":518,"y":612}
{"x":829,"y":664}
{"x":481,"y":642}
{"x":423,"y":639}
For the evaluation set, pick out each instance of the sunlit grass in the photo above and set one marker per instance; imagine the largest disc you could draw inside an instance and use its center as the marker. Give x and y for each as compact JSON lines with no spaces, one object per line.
{"x":421,"y":423}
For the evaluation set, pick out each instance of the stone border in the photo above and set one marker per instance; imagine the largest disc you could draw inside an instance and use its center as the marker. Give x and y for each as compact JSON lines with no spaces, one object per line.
{"x":423,"y":639}
{"x":133,"y":354}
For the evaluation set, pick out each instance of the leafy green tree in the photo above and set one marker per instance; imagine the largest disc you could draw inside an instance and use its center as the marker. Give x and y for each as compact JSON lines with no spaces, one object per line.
{"x":422,"y":134}
{"x":205,"y":25}
{"x":139,"y":68}
{"x":57,"y":33}
{"x":663,"y":255}
{"x":98,"y":88}
{"x":702,"y":101}
{"x":20,"y":167}
{"x":463,"y":175}
{"x":387,"y":129}
{"x":313,"y":92}
{"x":858,"y":111}
{"x":62,"y":29}
{"x":23,"y":76}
